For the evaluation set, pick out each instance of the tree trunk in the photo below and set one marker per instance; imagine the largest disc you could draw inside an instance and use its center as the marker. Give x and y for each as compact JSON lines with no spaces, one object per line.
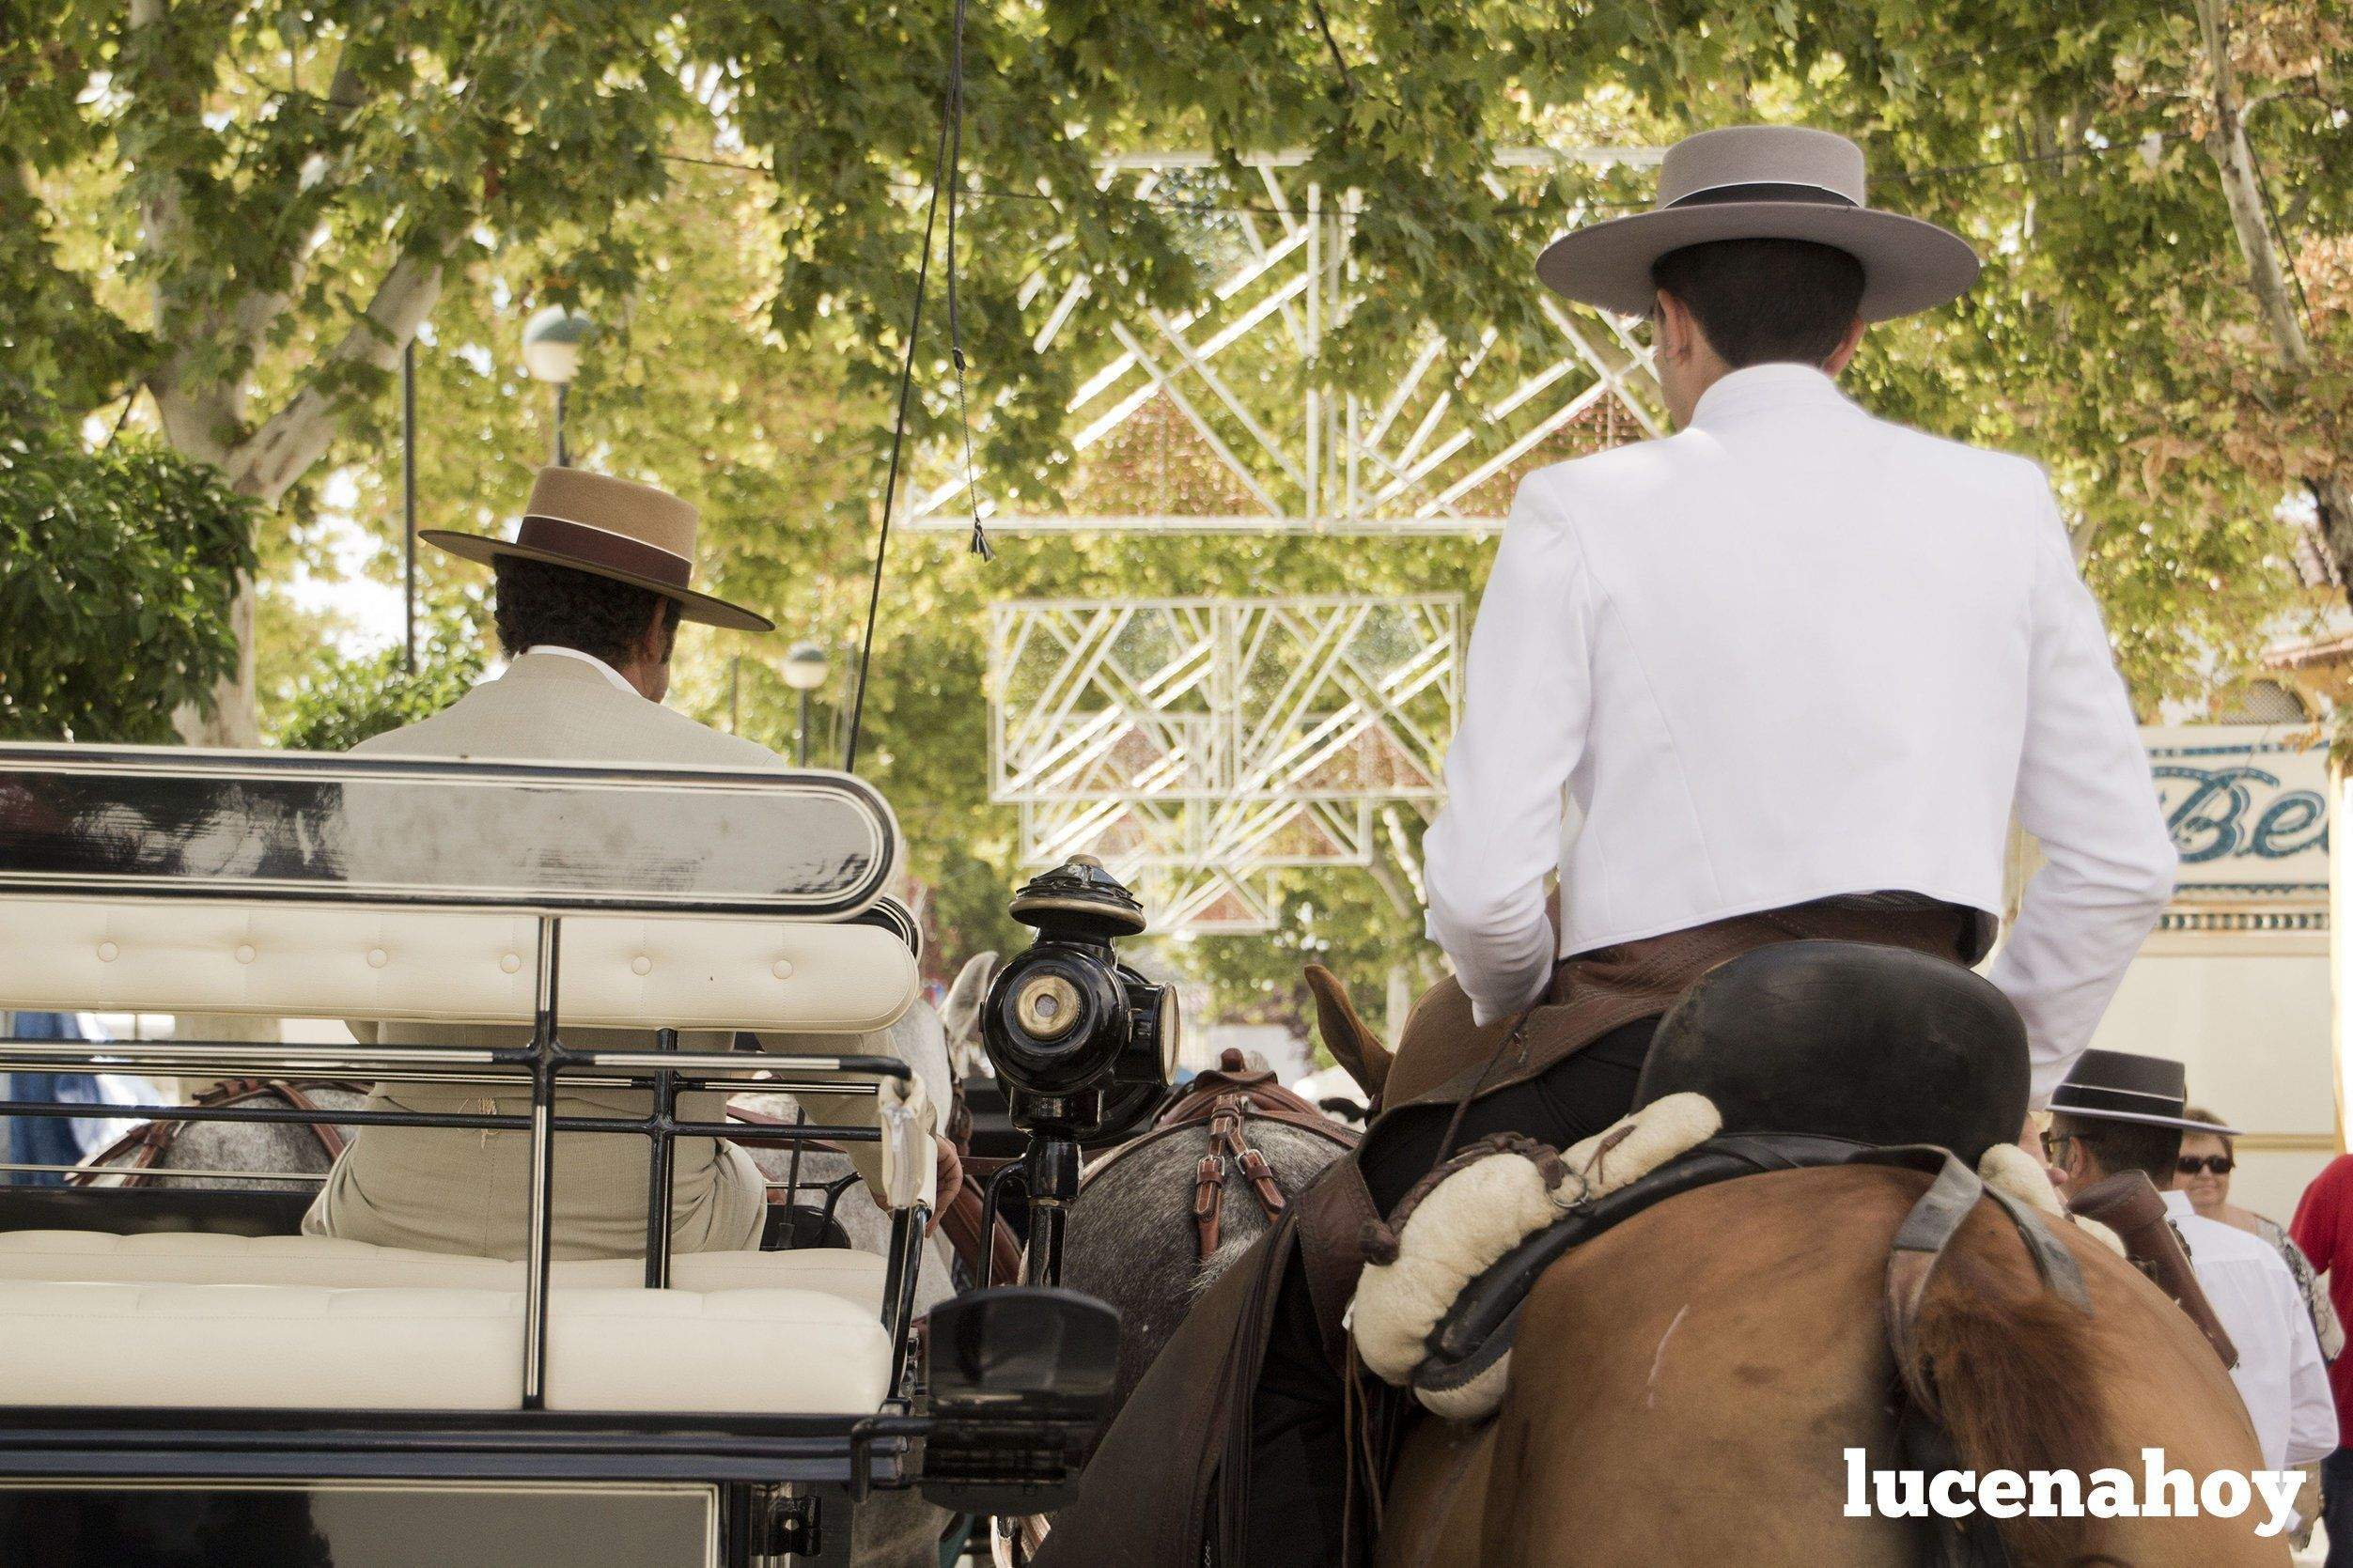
{"x":2269,"y":279}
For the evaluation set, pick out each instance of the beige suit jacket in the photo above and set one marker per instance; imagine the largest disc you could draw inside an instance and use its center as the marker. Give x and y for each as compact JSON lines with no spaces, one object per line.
{"x":462,"y":1192}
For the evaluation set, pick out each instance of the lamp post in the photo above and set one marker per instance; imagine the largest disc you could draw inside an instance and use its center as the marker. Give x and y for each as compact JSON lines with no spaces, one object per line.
{"x":804,"y":672}
{"x":551,"y":353}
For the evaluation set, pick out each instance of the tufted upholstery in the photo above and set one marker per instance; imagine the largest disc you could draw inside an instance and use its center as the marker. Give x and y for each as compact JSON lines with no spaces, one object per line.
{"x":448,"y":966}
{"x":389,"y":1348}
{"x":202,"y":1258}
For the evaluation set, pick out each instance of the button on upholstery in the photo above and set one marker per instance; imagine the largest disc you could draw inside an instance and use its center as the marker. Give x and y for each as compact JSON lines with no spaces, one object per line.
{"x":108,"y":953}
{"x":378,"y":958}
{"x":245,"y":953}
{"x":511,"y":962}
{"x":641,"y":965}
{"x":782,"y":968}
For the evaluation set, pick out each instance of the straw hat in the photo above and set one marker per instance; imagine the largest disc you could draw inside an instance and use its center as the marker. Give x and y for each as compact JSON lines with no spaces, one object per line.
{"x":1763,"y":182}
{"x":608,"y":527}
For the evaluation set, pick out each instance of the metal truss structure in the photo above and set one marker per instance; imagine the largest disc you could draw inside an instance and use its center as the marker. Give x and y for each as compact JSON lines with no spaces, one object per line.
{"x":1196,"y":745}
{"x":1225,"y":391}
{"x":1200,"y":746}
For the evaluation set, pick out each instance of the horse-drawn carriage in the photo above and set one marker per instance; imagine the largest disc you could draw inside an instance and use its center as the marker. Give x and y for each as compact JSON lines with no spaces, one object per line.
{"x":185,"y":1377}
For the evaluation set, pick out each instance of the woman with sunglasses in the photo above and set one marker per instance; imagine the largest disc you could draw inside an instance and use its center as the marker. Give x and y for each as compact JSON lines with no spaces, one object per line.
{"x":2203,"y":1173}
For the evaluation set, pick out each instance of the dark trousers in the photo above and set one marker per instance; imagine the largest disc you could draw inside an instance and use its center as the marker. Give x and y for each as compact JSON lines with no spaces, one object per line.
{"x":1298,"y":1453}
{"x":2336,"y":1506}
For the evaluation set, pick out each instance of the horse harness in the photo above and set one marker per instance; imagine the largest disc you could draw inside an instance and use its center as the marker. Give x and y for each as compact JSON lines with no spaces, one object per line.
{"x":1228,"y":1098}
{"x":142,"y":1149}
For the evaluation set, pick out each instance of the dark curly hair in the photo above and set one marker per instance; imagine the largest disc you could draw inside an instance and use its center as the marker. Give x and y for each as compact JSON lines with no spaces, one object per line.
{"x":540,"y":602}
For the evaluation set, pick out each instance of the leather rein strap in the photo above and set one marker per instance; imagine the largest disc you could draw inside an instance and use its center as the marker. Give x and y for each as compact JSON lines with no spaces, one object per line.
{"x":1228,"y":1099}
{"x":1230,"y":1150}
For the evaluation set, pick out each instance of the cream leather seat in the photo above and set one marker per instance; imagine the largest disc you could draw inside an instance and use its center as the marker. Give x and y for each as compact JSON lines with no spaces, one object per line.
{"x":199,"y":1258}
{"x":445,"y":1348}
{"x":193,"y":1320}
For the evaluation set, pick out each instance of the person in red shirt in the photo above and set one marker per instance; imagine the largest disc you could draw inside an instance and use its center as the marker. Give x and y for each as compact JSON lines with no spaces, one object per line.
{"x":2322,"y":1227}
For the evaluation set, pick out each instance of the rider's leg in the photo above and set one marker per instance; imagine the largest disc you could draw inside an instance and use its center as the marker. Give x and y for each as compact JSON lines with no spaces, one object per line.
{"x":1299,"y":1448}
{"x":1299,"y":1471}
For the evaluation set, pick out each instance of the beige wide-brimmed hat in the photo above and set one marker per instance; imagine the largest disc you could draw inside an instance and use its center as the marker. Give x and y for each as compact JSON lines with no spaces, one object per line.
{"x":608,"y":527}
{"x":1763,"y":182}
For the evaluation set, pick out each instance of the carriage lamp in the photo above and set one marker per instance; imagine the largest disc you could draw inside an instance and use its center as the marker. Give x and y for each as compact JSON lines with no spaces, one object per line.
{"x":1084,"y":1043}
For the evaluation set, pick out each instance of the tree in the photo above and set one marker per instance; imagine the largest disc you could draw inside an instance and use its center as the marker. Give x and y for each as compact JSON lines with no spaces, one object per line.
{"x":214,"y":201}
{"x":341,"y":700}
{"x":117,"y":568}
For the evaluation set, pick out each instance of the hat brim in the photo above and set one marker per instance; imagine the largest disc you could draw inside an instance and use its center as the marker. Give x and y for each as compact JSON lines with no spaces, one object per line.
{"x":1908,"y":265}
{"x":700,"y":608}
{"x":2145,"y":1120}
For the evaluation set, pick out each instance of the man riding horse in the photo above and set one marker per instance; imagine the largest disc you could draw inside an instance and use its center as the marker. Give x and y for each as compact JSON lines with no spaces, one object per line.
{"x":1799,"y":668}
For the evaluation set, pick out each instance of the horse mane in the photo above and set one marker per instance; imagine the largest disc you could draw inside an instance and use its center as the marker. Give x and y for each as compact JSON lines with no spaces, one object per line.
{"x":2010,"y":1367}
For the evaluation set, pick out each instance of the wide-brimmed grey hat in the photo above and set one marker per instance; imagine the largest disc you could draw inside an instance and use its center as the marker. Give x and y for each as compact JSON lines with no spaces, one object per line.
{"x":2126,"y":1086}
{"x":1763,"y":182}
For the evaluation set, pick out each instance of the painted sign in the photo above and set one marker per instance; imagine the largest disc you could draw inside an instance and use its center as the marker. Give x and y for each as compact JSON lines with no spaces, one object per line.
{"x":2248,"y":805}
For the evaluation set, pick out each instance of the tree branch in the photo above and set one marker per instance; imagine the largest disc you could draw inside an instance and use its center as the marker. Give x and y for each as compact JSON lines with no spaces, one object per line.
{"x":1323,"y":25}
{"x":266,"y":464}
{"x":2226,"y":144}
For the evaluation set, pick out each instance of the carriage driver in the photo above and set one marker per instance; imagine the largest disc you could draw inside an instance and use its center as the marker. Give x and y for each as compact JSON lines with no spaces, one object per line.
{"x":1797,"y":667}
{"x":589,"y":596}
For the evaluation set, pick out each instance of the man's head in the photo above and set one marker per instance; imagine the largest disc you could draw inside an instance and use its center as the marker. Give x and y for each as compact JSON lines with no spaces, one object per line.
{"x":1731,"y":303}
{"x":2090,"y":1147}
{"x":539,"y":603}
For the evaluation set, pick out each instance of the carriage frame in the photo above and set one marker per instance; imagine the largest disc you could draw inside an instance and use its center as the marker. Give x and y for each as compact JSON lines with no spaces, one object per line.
{"x":776,"y":1485}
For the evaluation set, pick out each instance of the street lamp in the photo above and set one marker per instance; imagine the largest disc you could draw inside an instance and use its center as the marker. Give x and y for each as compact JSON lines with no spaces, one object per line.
{"x":551,"y":353}
{"x":804,"y":672}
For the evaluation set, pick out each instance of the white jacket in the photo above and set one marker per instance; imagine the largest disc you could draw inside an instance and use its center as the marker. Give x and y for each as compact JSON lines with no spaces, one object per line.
{"x":1790,"y":652}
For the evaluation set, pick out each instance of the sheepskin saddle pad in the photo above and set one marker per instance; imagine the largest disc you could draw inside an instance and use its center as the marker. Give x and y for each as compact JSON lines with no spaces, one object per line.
{"x":1438,"y":1303}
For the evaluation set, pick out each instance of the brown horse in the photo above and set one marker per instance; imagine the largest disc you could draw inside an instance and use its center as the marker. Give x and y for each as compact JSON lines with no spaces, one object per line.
{"x":1685,"y":1386}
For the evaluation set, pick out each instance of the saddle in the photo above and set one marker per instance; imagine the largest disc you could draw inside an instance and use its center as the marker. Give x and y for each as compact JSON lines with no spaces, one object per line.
{"x":1804,"y":1054}
{"x":1228,"y":1098}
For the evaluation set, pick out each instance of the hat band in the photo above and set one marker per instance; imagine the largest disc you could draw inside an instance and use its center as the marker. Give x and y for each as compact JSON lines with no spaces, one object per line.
{"x":2092,"y":1097}
{"x":596,"y":547}
{"x":1763,"y":190}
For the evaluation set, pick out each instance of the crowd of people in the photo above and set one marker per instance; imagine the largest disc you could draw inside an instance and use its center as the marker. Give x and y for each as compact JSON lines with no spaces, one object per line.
{"x":2281,"y":1293}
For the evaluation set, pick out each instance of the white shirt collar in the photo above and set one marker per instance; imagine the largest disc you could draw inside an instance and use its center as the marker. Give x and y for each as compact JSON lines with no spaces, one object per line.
{"x":2177,"y":1203}
{"x":1757,"y":388}
{"x":602,"y":668}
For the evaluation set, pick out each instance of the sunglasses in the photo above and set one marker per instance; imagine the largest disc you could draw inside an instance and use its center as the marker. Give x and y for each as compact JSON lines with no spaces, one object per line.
{"x":2189,"y":1165}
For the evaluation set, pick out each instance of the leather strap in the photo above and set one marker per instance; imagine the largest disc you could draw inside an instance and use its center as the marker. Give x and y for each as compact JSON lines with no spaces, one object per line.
{"x":2129,"y":1204}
